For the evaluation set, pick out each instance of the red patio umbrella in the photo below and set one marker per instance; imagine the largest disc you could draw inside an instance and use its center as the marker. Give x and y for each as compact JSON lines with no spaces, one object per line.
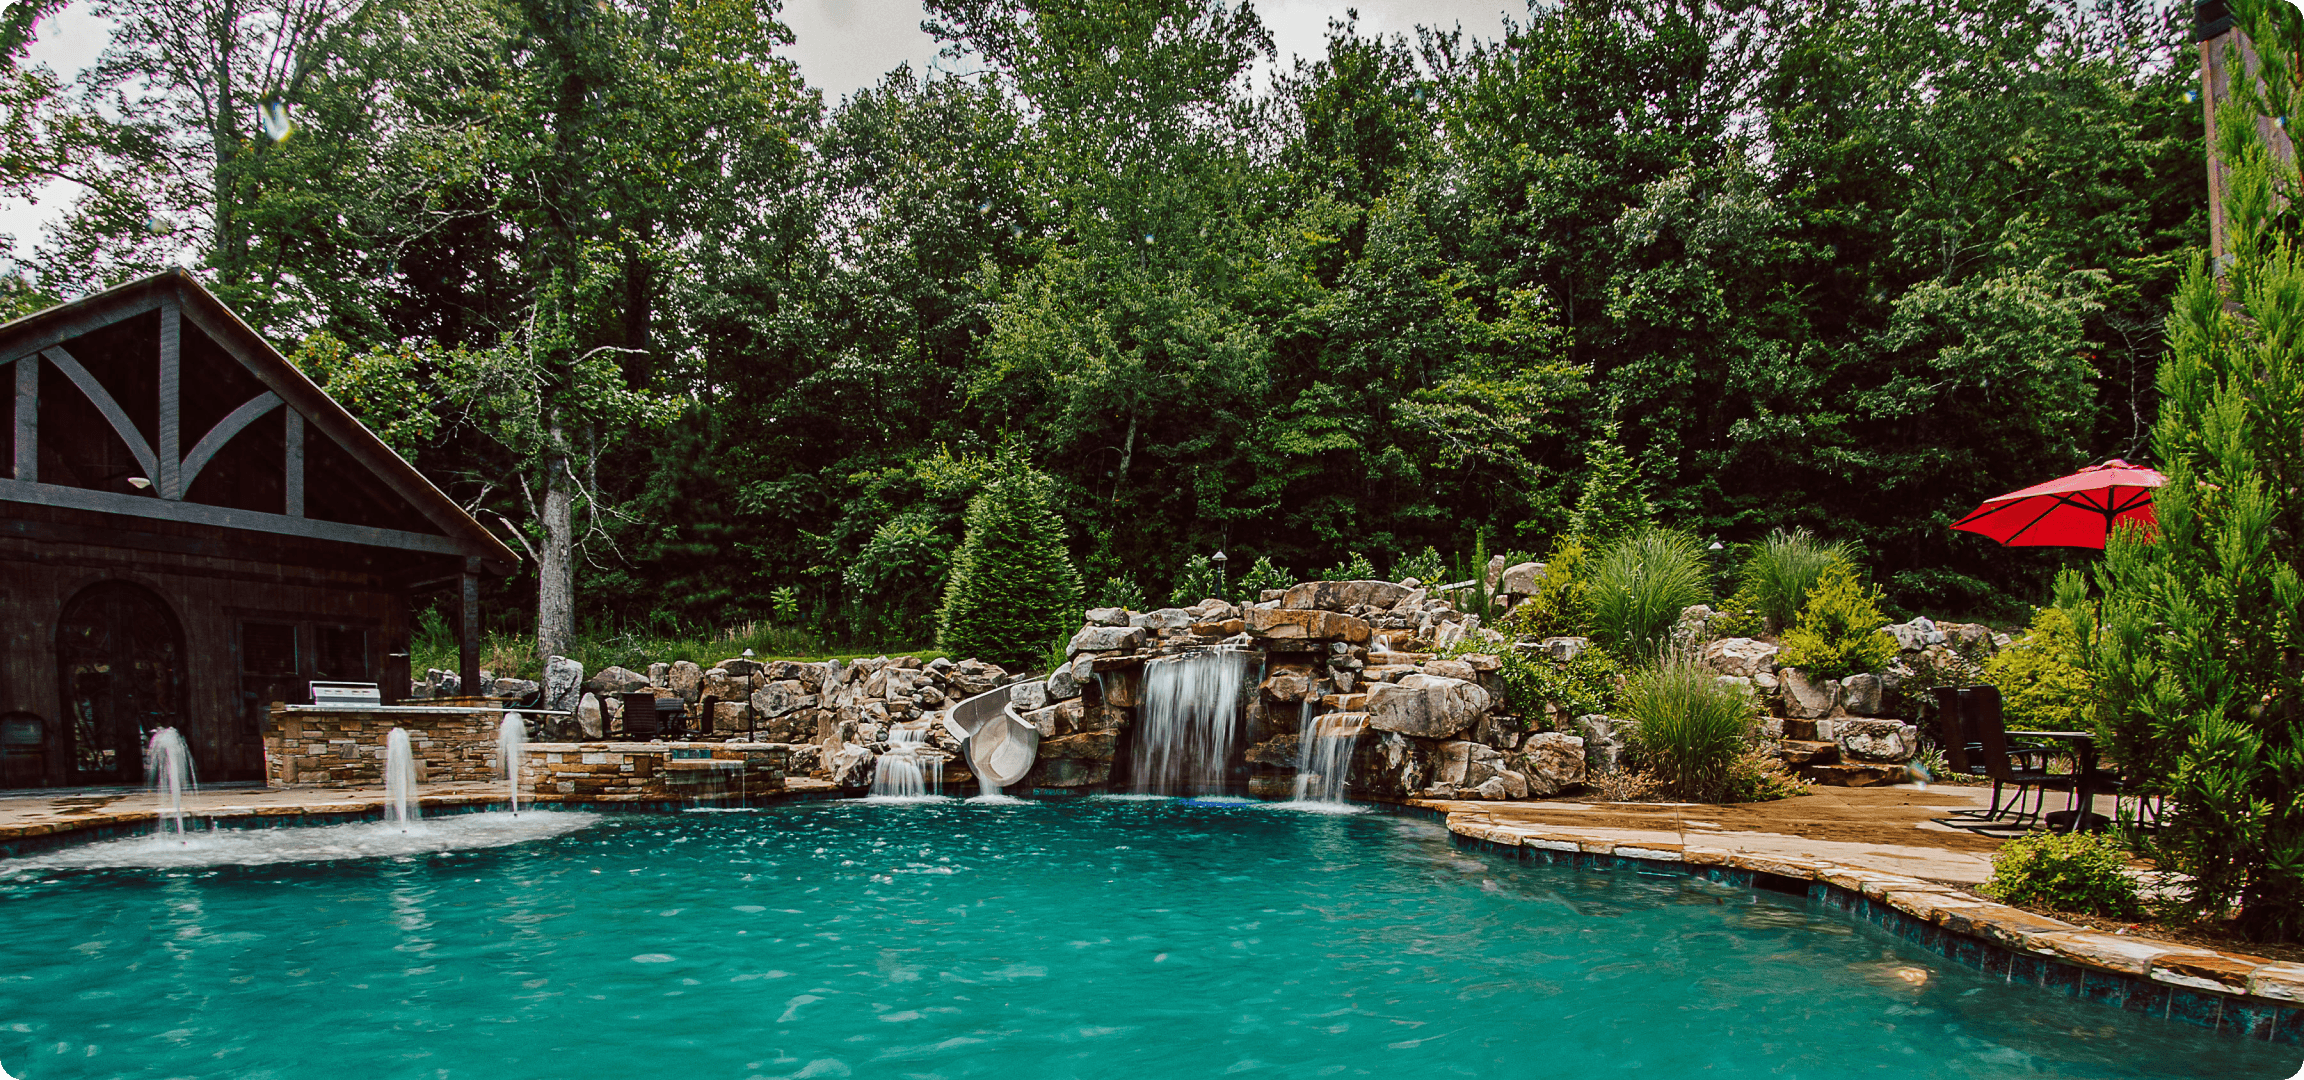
{"x":2074,"y":511}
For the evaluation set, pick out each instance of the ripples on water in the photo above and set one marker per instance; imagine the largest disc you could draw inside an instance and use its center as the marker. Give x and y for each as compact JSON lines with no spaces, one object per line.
{"x":1095,"y":938}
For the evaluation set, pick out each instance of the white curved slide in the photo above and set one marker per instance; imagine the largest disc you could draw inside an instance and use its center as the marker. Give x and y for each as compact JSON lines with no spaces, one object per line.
{"x":999,"y":744}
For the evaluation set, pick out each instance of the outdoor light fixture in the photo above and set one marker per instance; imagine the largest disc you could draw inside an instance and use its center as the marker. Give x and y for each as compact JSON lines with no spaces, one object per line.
{"x":139,"y":483}
{"x":1222,"y":591}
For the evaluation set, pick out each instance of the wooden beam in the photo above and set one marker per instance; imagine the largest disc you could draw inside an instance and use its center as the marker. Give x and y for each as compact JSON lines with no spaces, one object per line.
{"x":468,"y":626}
{"x":293,"y":480}
{"x":322,"y":412}
{"x":102,"y":398}
{"x":106,"y":502}
{"x":40,"y":330}
{"x":28,"y":419}
{"x":205,"y":450}
{"x":170,"y":479}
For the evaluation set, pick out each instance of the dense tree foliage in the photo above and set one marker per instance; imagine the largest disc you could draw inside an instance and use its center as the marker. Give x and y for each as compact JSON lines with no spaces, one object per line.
{"x":619,"y":281}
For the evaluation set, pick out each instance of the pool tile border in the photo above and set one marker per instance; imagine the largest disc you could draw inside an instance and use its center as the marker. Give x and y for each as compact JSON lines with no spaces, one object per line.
{"x":2244,"y":996}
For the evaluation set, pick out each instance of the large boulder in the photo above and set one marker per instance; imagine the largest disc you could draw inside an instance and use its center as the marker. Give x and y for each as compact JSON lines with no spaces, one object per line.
{"x":721,"y":684}
{"x":1551,"y":762}
{"x":1302,"y":624}
{"x":809,"y":676}
{"x":1163,"y":619}
{"x":1061,"y":718}
{"x":729,"y":717}
{"x":1605,"y":739}
{"x":1084,"y":746}
{"x":616,"y":680}
{"x":1520,"y":579}
{"x":1888,"y":741}
{"x":686,"y":680}
{"x":741,"y":665}
{"x":1063,"y":685}
{"x":1342,"y":595}
{"x":852,"y":767}
{"x":1104,"y":639}
{"x":563,"y":682}
{"x":1107,"y":616}
{"x":1286,"y":684}
{"x":1916,"y":635}
{"x":1861,"y":695}
{"x":1387,"y":764}
{"x":1426,"y":706}
{"x":588,"y":719}
{"x":780,"y":698}
{"x":1027,"y":696}
{"x":1564,"y":649}
{"x":516,"y":689}
{"x":1473,"y":770}
{"x":1806,"y":698}
{"x":1740,"y":656}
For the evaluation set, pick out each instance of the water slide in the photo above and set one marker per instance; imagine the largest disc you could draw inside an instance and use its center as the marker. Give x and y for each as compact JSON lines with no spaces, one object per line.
{"x":999,"y":744}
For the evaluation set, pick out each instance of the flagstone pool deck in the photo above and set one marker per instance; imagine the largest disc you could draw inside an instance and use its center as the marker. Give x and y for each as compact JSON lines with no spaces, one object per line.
{"x":1871,"y":851}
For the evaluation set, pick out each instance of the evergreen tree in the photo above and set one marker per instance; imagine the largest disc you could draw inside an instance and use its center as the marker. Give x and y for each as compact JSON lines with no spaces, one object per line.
{"x":1614,"y":501}
{"x":1013,"y":588}
{"x":2201,"y":652}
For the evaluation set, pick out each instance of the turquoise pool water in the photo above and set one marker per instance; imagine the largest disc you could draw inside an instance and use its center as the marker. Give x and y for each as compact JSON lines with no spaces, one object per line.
{"x":1101,"y":938}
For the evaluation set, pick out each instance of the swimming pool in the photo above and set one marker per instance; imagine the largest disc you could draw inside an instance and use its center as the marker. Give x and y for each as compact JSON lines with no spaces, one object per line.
{"x":1100,"y":937}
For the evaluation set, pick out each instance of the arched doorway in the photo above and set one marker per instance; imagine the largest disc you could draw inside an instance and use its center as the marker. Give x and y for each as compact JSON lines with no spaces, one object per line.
{"x":120,"y":656}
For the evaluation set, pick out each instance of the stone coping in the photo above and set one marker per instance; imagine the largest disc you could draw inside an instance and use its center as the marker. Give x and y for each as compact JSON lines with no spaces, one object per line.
{"x":2248,"y":996}
{"x":408,"y":710}
{"x":51,"y":831}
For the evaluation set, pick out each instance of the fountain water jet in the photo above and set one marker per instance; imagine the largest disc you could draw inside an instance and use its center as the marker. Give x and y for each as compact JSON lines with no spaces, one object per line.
{"x":1189,"y":728}
{"x":399,"y":778}
{"x":904,"y":772}
{"x":511,"y":743}
{"x":168,"y":772}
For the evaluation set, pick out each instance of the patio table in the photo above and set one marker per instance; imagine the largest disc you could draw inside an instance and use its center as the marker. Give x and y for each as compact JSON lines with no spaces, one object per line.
{"x":2077,"y":817}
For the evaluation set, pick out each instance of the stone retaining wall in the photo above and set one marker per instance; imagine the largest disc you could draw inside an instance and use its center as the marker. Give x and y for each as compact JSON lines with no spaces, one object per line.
{"x":610,"y":771}
{"x":312,"y":745}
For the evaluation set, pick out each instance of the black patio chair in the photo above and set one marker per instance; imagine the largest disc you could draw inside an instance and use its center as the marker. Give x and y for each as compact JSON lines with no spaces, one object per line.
{"x":1990,"y":733}
{"x":639,"y":718}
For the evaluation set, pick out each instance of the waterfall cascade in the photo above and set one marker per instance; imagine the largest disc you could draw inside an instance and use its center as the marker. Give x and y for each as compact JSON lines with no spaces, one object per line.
{"x":1189,"y":728}
{"x":511,"y":743}
{"x":168,"y":772}
{"x":904,"y":772}
{"x":1324,"y":747}
{"x":399,"y":778}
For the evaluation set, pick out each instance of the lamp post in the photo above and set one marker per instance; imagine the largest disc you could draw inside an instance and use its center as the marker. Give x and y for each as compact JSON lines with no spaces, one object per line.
{"x":1223,"y":590}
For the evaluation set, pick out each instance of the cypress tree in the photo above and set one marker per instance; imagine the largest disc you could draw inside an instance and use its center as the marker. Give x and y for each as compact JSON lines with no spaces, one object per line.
{"x":1013,"y":589}
{"x":1613,"y":503}
{"x":2201,"y":649}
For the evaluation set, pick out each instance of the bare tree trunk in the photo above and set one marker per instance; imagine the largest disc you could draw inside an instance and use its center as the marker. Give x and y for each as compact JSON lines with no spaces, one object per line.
{"x":1127,"y":454}
{"x":556,"y":563}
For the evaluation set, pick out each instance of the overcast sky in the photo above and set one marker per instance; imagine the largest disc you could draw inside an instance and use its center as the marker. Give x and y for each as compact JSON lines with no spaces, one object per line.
{"x":842,"y":46}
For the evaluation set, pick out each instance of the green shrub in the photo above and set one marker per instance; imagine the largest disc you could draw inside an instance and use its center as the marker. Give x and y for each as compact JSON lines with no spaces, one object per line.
{"x":1195,"y":583}
{"x":1424,"y":566}
{"x":1559,"y":608}
{"x":2084,"y":873}
{"x":2042,"y":676}
{"x":1012,"y":587}
{"x":1780,"y":571}
{"x":901,"y":569}
{"x":1121,"y":591}
{"x":1638,"y":587}
{"x":1692,"y":728}
{"x":1579,"y":687}
{"x":784,"y":605}
{"x":1355,"y":568}
{"x":1838,"y":633}
{"x":1263,"y":576}
{"x":1760,"y":776}
{"x":1739,"y":616}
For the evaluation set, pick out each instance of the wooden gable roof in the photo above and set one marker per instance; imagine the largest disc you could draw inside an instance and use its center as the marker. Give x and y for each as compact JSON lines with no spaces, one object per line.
{"x":154,"y":400}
